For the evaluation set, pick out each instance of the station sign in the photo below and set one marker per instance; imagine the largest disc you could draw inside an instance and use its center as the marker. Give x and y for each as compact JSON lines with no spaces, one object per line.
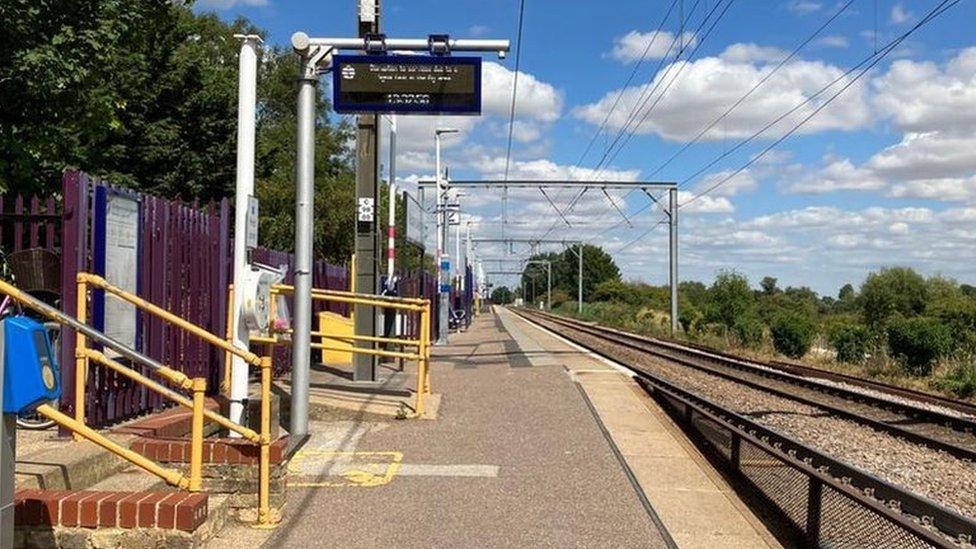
{"x":406,"y":84}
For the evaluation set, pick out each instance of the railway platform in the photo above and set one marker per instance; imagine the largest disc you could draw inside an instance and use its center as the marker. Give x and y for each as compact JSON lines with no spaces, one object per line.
{"x":537,"y":443}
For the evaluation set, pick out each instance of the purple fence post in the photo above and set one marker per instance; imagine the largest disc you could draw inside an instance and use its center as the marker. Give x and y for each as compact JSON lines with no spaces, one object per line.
{"x":74,"y":256}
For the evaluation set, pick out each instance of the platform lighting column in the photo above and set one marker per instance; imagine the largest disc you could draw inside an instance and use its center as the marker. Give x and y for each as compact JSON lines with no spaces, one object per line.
{"x":304,"y":206}
{"x":673,"y":225}
{"x":443,"y":297}
{"x":246,"y":105}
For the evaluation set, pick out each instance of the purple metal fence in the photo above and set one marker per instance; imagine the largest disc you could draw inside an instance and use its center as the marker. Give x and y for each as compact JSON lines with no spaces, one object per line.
{"x":29,"y":222}
{"x":182,"y":268}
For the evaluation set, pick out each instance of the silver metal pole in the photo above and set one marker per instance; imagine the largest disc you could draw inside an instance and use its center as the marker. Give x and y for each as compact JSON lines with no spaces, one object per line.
{"x":304,"y":204}
{"x":673,"y":217}
{"x":579,"y":281}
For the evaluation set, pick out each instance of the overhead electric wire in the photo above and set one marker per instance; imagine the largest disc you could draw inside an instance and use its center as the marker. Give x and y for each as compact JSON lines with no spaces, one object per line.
{"x":870,"y":61}
{"x":762,"y":81}
{"x":518,"y":62}
{"x":653,"y":85}
{"x":642,"y":99}
{"x":691,"y":56}
{"x":633,"y":73}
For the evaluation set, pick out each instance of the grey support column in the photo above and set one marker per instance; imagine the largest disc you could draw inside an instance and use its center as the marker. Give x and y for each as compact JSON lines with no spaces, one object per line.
{"x":304,"y":207}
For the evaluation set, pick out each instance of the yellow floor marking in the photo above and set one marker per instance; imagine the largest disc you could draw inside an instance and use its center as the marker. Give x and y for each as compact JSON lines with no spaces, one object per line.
{"x":351,"y":476}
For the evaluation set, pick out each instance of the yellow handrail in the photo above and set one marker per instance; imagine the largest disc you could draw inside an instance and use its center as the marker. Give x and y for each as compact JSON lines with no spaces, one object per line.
{"x":172,"y":477}
{"x":422,"y":343}
{"x":158,"y":311}
{"x":198,"y":386}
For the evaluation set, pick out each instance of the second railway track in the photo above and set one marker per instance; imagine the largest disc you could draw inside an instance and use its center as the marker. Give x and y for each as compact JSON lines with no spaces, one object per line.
{"x":924,"y":447}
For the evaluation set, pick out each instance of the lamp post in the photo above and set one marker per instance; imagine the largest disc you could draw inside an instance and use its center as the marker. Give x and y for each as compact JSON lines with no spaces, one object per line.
{"x":443,"y":296}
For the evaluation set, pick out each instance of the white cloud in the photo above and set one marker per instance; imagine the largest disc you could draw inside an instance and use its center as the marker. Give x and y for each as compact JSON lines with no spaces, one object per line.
{"x":752,"y":53}
{"x":919,"y":96}
{"x":478,"y":30}
{"x":804,"y":7}
{"x":707,"y":87}
{"x":951,"y":189}
{"x":930,"y":155}
{"x":833,"y":41}
{"x":226,"y":4}
{"x":494,"y":168}
{"x":704,"y":204}
{"x":837,"y":175}
{"x":535,"y":99}
{"x":731,"y":185}
{"x":651,"y":45}
{"x":899,"y":14}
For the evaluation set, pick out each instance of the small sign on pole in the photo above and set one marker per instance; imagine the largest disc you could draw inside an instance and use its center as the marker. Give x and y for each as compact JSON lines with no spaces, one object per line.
{"x":366,"y":210}
{"x":251,"y":237}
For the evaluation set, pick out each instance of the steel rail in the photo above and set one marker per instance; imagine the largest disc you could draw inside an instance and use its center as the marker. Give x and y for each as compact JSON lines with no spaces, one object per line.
{"x":910,"y":512}
{"x":961,"y":427}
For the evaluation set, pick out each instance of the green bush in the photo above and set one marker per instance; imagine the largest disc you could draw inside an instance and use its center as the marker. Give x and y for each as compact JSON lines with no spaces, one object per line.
{"x":793,"y":334}
{"x":748,"y":331}
{"x":961,"y":380}
{"x":850,"y":341}
{"x":917,"y":343}
{"x":689,"y":318}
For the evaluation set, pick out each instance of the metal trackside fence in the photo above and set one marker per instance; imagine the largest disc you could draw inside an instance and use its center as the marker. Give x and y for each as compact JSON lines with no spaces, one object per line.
{"x":822,"y":502}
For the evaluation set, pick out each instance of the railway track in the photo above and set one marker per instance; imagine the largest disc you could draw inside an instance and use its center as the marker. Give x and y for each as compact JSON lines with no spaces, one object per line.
{"x":933,"y":423}
{"x":936,"y":426}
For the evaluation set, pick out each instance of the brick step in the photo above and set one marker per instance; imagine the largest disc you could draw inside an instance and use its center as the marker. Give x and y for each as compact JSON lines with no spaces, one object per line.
{"x":110,"y":509}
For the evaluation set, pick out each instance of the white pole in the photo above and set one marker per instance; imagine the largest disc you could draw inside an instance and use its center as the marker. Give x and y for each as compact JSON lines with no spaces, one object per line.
{"x":391,"y":232}
{"x":246,"y":105}
{"x":457,"y":254}
{"x":442,"y":297}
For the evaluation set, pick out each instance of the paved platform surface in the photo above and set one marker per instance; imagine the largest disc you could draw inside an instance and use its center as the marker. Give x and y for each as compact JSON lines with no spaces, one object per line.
{"x":516,"y":458}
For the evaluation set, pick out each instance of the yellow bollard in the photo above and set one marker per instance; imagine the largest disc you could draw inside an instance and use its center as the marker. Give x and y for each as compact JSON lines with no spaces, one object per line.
{"x":196,"y":435}
{"x":81,"y":356}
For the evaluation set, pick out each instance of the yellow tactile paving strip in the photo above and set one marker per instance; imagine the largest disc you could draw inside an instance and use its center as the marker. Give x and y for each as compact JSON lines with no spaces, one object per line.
{"x":696,"y":506}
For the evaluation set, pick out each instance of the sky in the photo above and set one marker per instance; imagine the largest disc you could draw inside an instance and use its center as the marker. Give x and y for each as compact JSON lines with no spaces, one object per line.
{"x":787,"y":166}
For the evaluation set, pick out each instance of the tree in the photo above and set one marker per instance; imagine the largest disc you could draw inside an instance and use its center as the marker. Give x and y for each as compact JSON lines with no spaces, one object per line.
{"x":140,"y":93}
{"x":793,"y":334}
{"x":892,"y":291}
{"x":768,"y":285}
{"x":729,"y":298}
{"x":502,"y":295}
{"x":598,"y":266}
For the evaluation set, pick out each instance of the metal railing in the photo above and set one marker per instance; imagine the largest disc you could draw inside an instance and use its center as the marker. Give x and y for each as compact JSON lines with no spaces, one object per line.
{"x":420,"y":345}
{"x":84,"y":355}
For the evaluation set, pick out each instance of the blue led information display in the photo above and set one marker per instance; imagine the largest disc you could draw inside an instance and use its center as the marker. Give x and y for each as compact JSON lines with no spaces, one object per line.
{"x":412,"y":84}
